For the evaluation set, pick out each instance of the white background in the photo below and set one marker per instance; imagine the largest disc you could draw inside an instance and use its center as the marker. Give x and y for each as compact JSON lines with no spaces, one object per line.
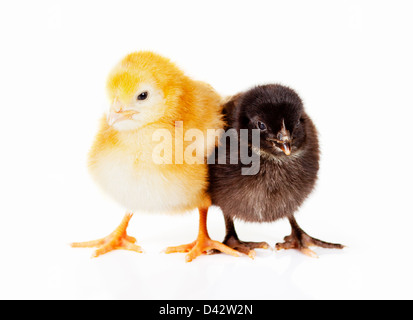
{"x":351,"y":61}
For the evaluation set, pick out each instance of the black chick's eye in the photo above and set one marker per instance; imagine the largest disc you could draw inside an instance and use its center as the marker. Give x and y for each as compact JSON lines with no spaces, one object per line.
{"x":143,"y":95}
{"x":261,"y":126}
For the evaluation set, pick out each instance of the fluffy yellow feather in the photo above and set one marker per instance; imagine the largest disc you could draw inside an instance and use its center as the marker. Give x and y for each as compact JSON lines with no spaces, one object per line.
{"x":125,"y":149}
{"x":148,"y":93}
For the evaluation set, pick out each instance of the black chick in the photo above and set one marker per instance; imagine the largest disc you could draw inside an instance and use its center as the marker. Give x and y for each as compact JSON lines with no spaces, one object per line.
{"x":288,"y":165}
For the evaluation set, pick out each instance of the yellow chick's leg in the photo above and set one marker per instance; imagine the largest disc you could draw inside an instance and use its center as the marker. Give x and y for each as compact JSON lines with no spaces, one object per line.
{"x":203,"y":243}
{"x":118,"y":239}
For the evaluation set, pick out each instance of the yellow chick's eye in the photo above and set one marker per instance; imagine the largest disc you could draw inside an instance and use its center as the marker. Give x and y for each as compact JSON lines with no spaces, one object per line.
{"x":142,"y":95}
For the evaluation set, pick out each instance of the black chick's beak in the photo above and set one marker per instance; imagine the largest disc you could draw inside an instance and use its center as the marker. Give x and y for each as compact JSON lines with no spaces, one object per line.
{"x":282,"y":140}
{"x":286,"y":147}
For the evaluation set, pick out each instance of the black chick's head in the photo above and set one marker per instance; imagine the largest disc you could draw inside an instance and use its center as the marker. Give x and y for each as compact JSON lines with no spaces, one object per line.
{"x":277,"y":112}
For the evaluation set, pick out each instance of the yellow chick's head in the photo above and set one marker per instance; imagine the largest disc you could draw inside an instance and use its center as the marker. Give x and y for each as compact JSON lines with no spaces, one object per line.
{"x":143,"y":88}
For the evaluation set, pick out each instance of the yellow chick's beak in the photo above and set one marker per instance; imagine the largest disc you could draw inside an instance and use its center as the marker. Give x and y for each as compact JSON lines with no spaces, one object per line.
{"x":117,"y":115}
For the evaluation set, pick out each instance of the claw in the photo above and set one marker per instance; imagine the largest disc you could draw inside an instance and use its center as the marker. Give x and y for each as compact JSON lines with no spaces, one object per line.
{"x":309,"y":253}
{"x":252,"y":254}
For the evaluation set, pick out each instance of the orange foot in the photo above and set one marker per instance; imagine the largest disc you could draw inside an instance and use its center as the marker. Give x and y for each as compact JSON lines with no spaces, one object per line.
{"x":245,"y":247}
{"x":203,"y":244}
{"x":118,"y":239}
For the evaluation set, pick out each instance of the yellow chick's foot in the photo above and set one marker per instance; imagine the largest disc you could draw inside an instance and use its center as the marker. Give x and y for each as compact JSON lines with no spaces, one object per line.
{"x":301,"y":241}
{"x":203,"y":244}
{"x":232,"y":241}
{"x":245,"y":247}
{"x":118,"y":239}
{"x":200,"y":246}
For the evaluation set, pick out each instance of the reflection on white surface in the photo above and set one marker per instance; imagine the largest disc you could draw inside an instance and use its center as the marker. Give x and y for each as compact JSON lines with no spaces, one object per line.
{"x":57,"y":271}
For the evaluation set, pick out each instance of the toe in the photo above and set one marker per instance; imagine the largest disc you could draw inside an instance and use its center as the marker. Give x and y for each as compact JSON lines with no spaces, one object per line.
{"x":257,"y":245}
{"x":88,"y":244}
{"x":102,"y":250}
{"x":285,"y":246}
{"x":126,"y":245}
{"x":180,"y":249}
{"x":224,"y":249}
{"x":309,"y":253}
{"x":194,"y":253}
{"x":130,"y":239}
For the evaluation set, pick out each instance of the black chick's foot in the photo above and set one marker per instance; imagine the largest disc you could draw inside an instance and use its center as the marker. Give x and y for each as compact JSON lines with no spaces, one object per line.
{"x":301,"y":241}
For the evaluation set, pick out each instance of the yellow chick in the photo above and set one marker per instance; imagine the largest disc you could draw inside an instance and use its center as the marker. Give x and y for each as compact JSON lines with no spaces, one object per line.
{"x":152,"y":98}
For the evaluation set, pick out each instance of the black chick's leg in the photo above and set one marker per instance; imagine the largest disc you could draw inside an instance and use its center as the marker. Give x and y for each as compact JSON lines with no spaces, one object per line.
{"x":300,"y":240}
{"x":232,"y":240}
